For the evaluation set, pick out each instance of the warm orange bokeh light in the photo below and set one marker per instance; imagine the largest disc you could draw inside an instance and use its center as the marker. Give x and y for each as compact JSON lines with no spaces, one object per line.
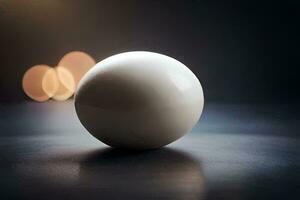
{"x":50,"y":82}
{"x":66,"y":86}
{"x":42,"y":82}
{"x":78,"y":63}
{"x":38,"y":83}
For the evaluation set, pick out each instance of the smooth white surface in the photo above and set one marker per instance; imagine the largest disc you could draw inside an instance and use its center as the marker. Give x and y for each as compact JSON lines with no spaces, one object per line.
{"x":139,"y":100}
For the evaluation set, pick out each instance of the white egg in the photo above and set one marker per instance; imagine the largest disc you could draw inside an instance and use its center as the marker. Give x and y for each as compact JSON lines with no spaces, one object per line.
{"x":139,"y":100}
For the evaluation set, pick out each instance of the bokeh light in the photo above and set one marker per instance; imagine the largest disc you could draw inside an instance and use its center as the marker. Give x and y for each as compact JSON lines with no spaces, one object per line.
{"x":66,"y":86}
{"x":36,"y":86}
{"x":50,"y":82}
{"x":78,"y":63}
{"x":42,"y":82}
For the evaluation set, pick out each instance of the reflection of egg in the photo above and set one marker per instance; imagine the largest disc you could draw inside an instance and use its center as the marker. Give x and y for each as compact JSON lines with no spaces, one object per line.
{"x":139,"y":100}
{"x":160,"y":174}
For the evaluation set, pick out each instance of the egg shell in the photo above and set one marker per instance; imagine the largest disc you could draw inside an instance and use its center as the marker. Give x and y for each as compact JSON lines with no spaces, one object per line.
{"x":139,"y":100}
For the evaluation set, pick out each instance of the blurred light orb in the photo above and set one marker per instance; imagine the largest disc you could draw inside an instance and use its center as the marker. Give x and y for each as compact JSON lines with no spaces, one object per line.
{"x":50,"y":83}
{"x":66,"y":86}
{"x":40,"y":82}
{"x":78,"y":63}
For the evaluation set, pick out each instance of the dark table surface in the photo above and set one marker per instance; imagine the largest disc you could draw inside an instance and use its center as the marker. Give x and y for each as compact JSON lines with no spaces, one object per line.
{"x":234,"y":152}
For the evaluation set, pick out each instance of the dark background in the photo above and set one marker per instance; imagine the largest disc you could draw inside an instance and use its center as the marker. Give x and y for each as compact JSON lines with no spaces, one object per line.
{"x":244,"y":147}
{"x":242,"y":52}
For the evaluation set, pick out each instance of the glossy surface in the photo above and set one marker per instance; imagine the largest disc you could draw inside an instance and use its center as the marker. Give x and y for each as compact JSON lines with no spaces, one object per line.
{"x":139,"y":100}
{"x":237,"y":152}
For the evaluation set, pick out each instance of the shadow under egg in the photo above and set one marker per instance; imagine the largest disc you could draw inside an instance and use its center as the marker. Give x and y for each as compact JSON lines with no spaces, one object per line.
{"x":159,"y":174}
